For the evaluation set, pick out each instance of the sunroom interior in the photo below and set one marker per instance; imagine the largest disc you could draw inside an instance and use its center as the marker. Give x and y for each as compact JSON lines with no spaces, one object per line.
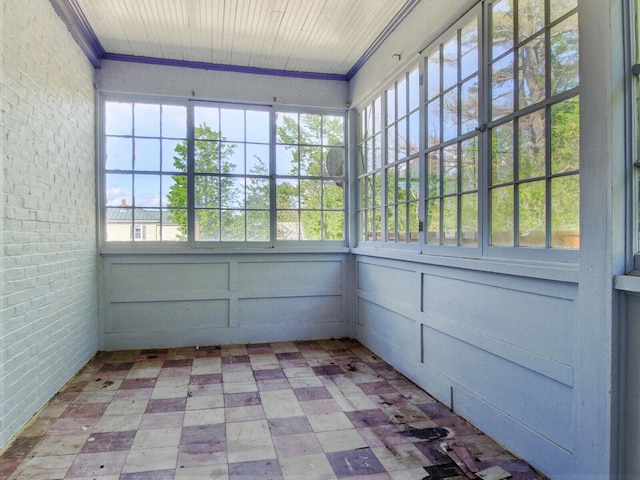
{"x":456,"y":191}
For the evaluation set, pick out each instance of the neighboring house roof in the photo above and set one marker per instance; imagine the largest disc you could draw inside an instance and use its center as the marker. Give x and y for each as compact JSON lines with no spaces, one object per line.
{"x":141,"y":215}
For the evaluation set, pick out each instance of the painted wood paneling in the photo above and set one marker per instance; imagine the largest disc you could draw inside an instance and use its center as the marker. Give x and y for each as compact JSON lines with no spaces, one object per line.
{"x":498,"y":348}
{"x":181,"y":300}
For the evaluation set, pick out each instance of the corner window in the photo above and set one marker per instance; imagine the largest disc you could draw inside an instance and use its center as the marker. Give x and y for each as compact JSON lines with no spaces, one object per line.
{"x":499,"y":122}
{"x":205,"y":173}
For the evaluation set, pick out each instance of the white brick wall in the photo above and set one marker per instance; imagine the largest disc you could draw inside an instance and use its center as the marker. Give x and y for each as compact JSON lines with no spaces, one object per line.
{"x":49,"y":325}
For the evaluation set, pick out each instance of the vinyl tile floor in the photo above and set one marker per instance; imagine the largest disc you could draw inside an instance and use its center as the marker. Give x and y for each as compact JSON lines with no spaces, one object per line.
{"x":316,"y":410}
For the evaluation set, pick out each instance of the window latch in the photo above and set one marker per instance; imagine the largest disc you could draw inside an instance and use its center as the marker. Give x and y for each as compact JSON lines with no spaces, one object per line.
{"x":636,"y":69}
{"x":637,"y":164}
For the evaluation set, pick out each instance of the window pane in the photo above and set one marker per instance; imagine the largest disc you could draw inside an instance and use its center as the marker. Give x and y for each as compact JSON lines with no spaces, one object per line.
{"x":146,"y":190}
{"x":174,"y":156}
{"x":146,"y":120}
{"x":287,"y":194}
{"x":391,"y":224}
{"x":502,"y":154}
{"x":288,"y":226}
{"x":414,"y":134}
{"x":118,"y":118}
{"x":174,"y":191}
{"x":118,"y":153}
{"x":311,"y":225}
{"x":433,"y":174}
{"x":502,"y":216}
{"x":449,"y":63}
{"x":402,"y":98}
{"x":310,"y":129}
{"x":469,"y":164}
{"x":530,"y":18}
{"x":531,"y":65}
{"x":414,"y":90}
{"x":232,"y":192}
{"x":450,"y":115}
{"x":311,"y":161}
{"x":469,"y":219}
{"x":207,"y":191}
{"x":287,"y":128}
{"x":450,"y":220}
{"x":502,"y":87}
{"x":332,"y":130}
{"x":147,"y":154}
{"x":469,"y":105}
{"x":257,"y":126}
{"x":232,"y":223}
{"x":232,"y":125}
{"x":258,"y":226}
{"x":450,"y":170}
{"x":332,"y":196}
{"x":257,"y":158}
{"x":532,"y":145}
{"x":333,"y":226}
{"x":207,"y":225}
{"x":233,"y":162}
{"x":174,"y":121}
{"x":174,"y":225}
{"x":433,"y":74}
{"x":402,"y":139}
{"x":433,"y":221}
{"x":414,"y":221}
{"x":257,"y":193}
{"x":391,"y":185}
{"x":207,"y":156}
{"x":502,"y":23}
{"x":560,"y":7}
{"x":119,"y":190}
{"x":565,"y":136}
{"x":565,"y":212}
{"x":532,"y":214}
{"x":433,"y":123}
{"x":469,"y":49}
{"x":564,"y":55}
{"x":287,"y":160}
{"x":206,"y":117}
{"x":119,"y":225}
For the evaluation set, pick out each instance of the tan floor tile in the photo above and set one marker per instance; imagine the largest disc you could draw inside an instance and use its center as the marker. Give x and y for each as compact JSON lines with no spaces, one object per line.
{"x":281,"y":403}
{"x":119,"y":423}
{"x":210,"y":416}
{"x":205,"y":402}
{"x":308,"y":467}
{"x":150,"y":459}
{"x":341,"y":440}
{"x":328,"y":422}
{"x":249,"y":441}
{"x":51,"y":467}
{"x":215,"y":472}
{"x":60,"y":445}
{"x":158,"y":437}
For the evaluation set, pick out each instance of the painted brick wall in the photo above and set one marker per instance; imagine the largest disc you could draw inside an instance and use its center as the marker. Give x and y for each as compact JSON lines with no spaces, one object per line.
{"x":49,"y":325}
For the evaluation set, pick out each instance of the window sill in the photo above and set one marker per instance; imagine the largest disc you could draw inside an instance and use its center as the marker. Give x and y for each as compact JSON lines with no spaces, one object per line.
{"x":559,"y":272}
{"x":113,"y":250}
{"x":627,"y":283}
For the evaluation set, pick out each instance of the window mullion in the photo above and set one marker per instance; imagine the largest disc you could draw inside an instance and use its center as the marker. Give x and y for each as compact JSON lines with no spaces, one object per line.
{"x":191,"y":216}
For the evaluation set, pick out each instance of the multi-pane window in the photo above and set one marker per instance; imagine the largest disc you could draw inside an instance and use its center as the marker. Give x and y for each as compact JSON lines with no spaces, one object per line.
{"x":499,"y":125}
{"x":205,"y":172}
{"x":231,"y":177}
{"x":310,"y":161}
{"x":370,"y":171}
{"x":452,"y":121}
{"x":143,"y":147}
{"x":402,"y":169}
{"x":534,"y":124}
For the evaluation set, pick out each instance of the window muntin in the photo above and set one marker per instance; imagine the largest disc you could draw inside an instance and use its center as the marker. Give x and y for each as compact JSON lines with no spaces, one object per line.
{"x":534,"y":127}
{"x":206,"y":173}
{"x":452,"y":118}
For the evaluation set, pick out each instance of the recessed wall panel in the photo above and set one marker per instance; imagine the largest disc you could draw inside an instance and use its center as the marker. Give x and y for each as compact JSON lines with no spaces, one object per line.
{"x":143,"y":317}
{"x":289,"y":312}
{"x":157,"y":281}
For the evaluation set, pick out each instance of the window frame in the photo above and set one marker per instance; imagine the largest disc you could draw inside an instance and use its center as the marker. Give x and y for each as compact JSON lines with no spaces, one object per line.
{"x":190,"y":243}
{"x":484,"y":249}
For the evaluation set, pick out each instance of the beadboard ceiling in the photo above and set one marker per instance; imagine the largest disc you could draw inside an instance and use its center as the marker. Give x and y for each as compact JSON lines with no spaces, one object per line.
{"x":325,"y":37}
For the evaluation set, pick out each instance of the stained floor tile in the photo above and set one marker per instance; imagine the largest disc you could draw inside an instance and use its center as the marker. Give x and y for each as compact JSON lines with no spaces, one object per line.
{"x":321,"y":410}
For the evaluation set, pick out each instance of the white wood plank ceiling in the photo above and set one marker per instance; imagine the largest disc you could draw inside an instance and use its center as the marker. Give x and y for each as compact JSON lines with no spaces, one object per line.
{"x":319,"y":36}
